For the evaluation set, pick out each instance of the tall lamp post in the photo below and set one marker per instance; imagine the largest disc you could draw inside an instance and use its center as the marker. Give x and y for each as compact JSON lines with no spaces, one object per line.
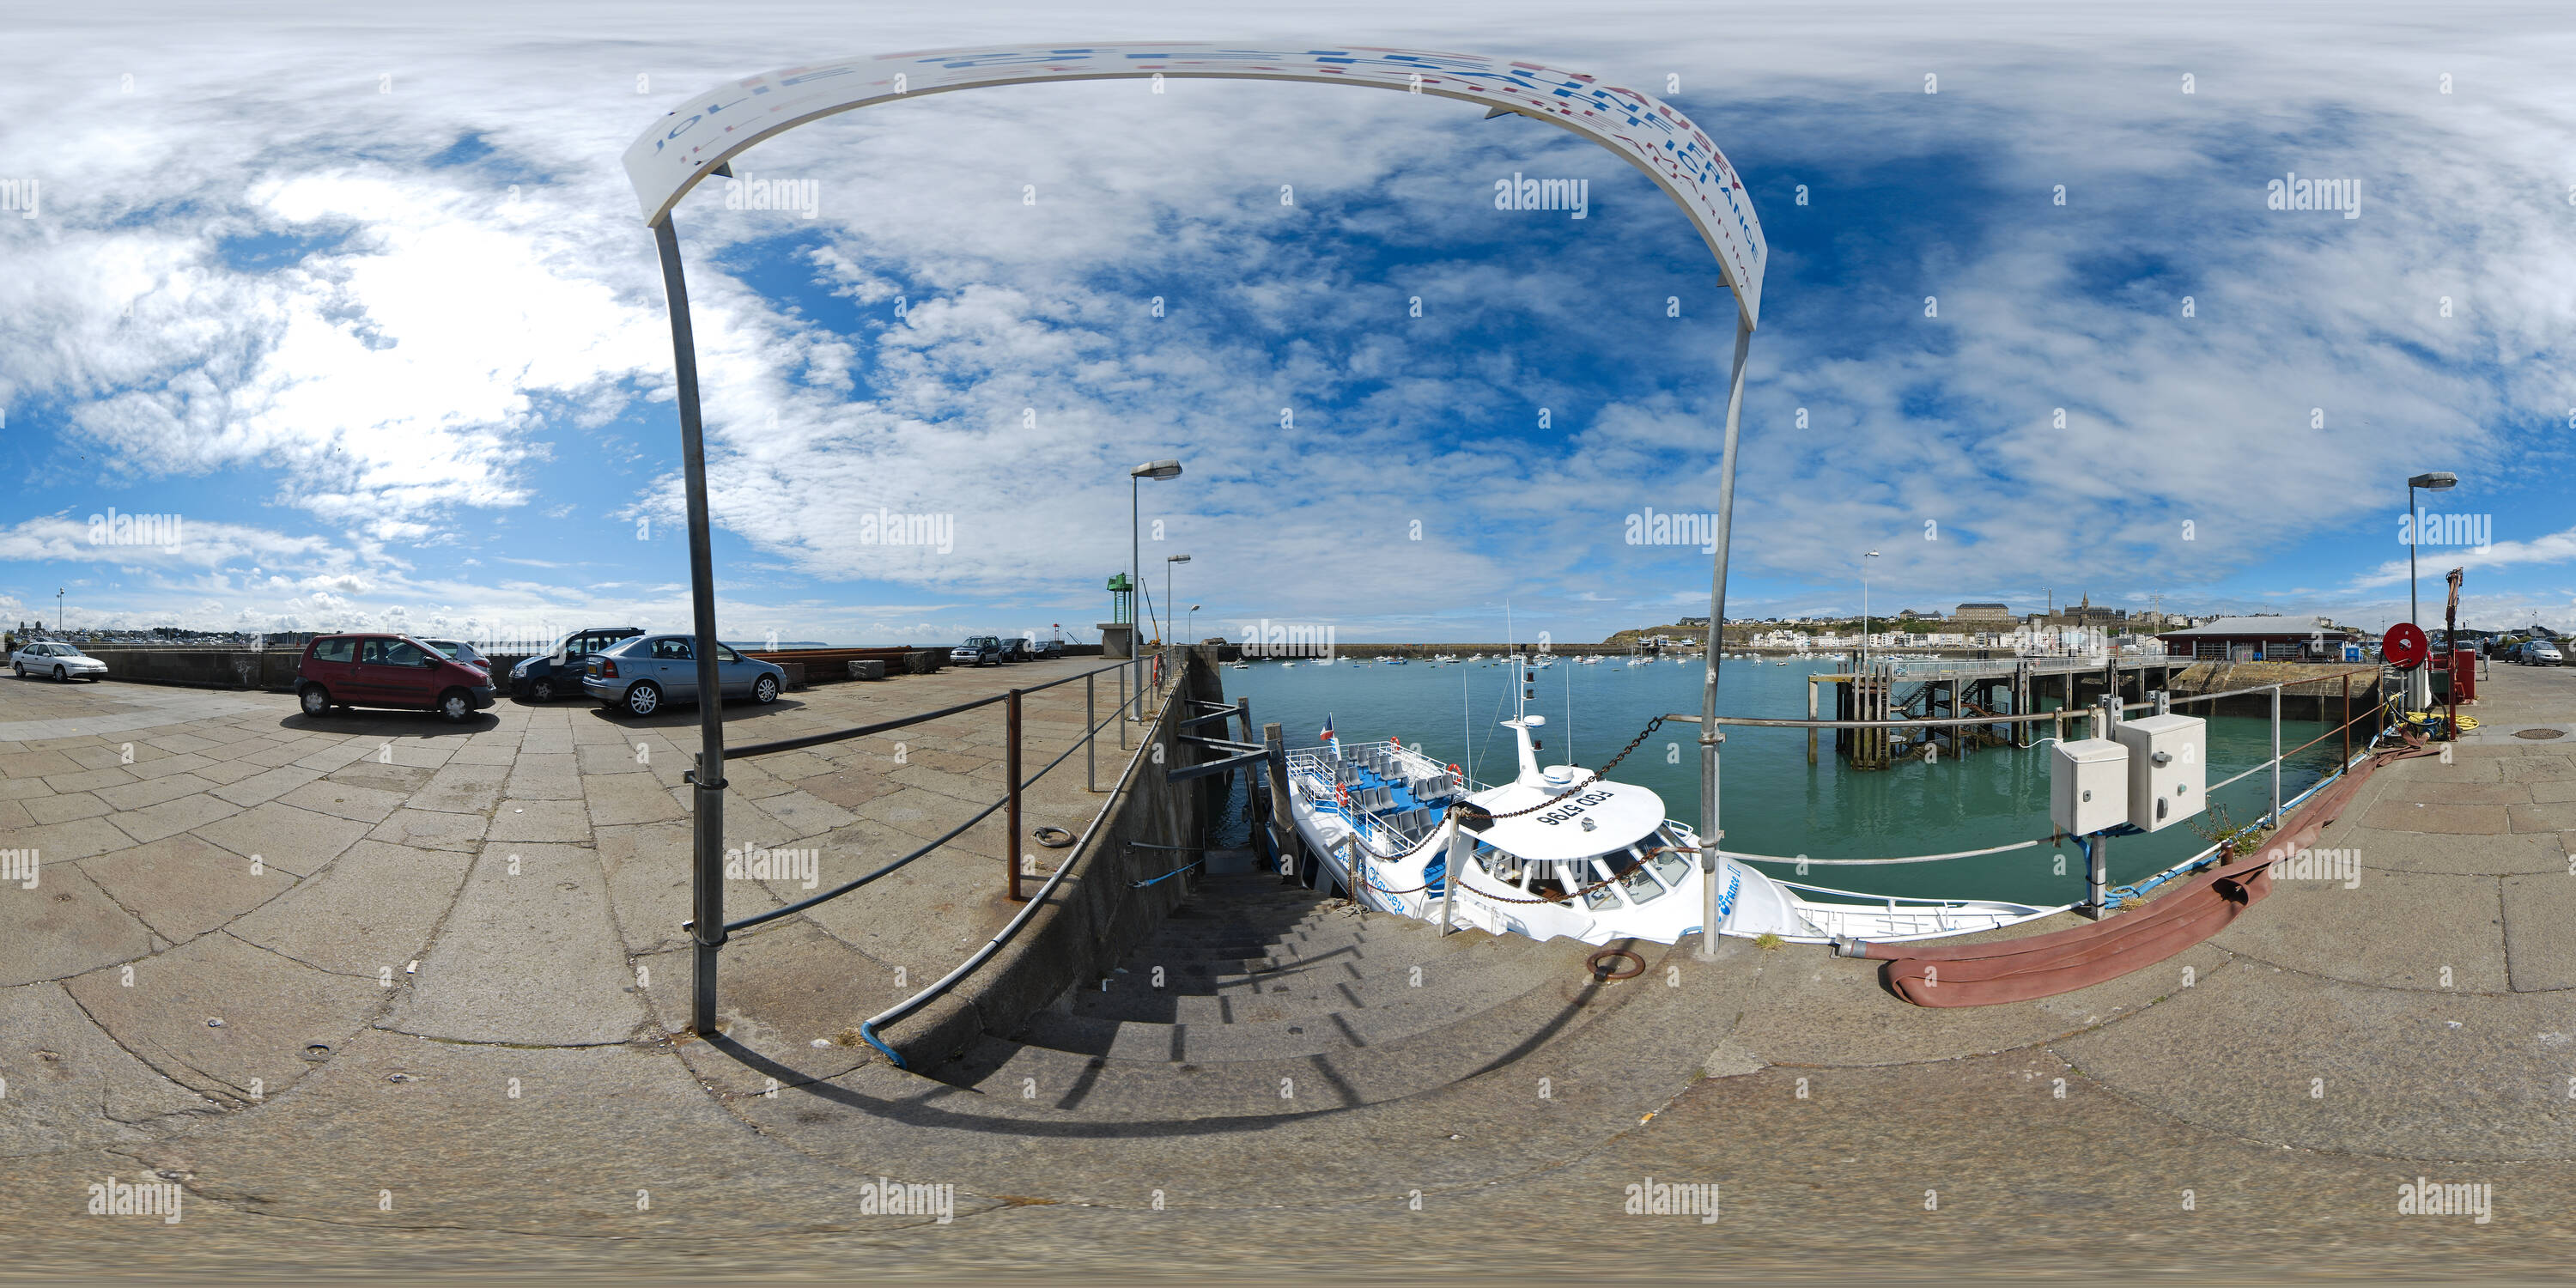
{"x":1165,"y":469}
{"x":1193,"y":628}
{"x":2439,"y":481}
{"x":58,"y":609}
{"x":1864,"y":610}
{"x":1168,"y":605}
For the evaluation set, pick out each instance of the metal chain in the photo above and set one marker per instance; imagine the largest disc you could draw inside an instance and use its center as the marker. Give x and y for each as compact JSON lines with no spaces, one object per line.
{"x":1596,"y":774}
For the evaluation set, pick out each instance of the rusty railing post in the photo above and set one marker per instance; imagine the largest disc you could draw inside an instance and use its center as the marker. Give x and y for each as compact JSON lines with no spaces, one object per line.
{"x":1011,"y":814}
{"x":2347,"y":717}
{"x":1122,"y":708}
{"x":1090,"y":738}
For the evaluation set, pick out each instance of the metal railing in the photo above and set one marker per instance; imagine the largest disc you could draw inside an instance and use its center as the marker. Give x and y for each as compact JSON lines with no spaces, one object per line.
{"x":1014,"y":862}
{"x":2156,"y":702}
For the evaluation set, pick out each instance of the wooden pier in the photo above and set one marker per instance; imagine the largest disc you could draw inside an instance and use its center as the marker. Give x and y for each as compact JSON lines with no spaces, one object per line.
{"x":1942,"y":690}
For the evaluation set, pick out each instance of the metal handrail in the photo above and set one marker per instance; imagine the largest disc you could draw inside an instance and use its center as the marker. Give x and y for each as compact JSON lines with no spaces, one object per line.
{"x":818,"y":739}
{"x":868,"y":1028}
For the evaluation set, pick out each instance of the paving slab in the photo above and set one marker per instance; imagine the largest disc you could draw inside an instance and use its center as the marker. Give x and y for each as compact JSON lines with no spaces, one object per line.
{"x":2323,"y":1064}
{"x":2419,"y":816}
{"x":70,"y":1084}
{"x":65,"y":926}
{"x":2462,"y":855}
{"x":527,"y":957}
{"x":539,"y":820}
{"x":647,"y":868}
{"x":463,"y":789}
{"x":432,"y":830}
{"x":182,"y":886}
{"x":280,"y":1017}
{"x":628,"y":798}
{"x":2452,"y":937}
{"x":153,"y":791}
{"x":63,"y":807}
{"x":370,"y":911}
{"x":280,"y":835}
{"x":268,"y":785}
{"x":2540,"y":932}
{"x":588,"y":1130}
{"x":77,"y":839}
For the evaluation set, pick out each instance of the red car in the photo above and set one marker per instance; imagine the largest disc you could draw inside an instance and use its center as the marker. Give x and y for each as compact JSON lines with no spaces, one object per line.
{"x":387,"y":671}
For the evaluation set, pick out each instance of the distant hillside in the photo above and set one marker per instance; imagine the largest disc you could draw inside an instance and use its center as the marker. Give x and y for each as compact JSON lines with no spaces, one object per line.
{"x":1676,"y":631}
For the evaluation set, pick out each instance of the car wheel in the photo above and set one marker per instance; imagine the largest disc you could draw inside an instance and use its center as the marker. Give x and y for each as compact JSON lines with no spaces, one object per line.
{"x":455,"y":706}
{"x":643,"y":698}
{"x":765,"y":690}
{"x":59,"y":677}
{"x":317,"y":702}
{"x":542,"y":689}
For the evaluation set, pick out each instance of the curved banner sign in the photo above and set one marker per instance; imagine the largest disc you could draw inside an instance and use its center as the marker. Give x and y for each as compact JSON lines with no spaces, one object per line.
{"x":710,"y":129}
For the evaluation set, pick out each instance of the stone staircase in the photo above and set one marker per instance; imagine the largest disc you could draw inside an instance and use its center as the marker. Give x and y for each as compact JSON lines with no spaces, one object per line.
{"x":1256,"y":999}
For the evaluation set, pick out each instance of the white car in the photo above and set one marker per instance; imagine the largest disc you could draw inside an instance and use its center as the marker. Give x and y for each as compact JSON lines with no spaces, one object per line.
{"x":2541,"y":653}
{"x":61,"y":661}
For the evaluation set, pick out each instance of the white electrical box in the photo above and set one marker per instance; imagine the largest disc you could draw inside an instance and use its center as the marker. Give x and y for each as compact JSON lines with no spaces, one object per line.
{"x":2168,"y":769}
{"x":2088,"y":785}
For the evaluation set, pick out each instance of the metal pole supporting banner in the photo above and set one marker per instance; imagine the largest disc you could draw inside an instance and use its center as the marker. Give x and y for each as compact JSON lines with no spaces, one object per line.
{"x":1011,"y":812}
{"x":2276,"y":755}
{"x":1710,"y":837}
{"x":707,"y":870}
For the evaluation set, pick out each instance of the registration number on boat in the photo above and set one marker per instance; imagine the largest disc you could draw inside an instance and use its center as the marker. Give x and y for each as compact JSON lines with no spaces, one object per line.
{"x":1569,"y":813}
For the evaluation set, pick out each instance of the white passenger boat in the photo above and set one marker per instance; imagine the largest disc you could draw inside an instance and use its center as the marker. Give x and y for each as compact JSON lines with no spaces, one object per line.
{"x":1565,"y":853}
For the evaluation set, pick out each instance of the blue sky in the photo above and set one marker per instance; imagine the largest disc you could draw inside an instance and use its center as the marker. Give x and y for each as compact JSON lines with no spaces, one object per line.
{"x":363,"y":298}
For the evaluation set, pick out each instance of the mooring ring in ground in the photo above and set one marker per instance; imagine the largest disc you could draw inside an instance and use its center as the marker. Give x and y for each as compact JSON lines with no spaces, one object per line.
{"x":1593,"y":964}
{"x":1054,"y":838}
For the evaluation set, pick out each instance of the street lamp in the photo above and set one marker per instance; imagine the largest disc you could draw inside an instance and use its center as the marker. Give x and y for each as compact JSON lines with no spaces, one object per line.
{"x":1864,"y":610}
{"x":1168,"y":561}
{"x":58,"y":610}
{"x":1165,"y":469}
{"x":2438,"y":481}
{"x":1193,"y":628}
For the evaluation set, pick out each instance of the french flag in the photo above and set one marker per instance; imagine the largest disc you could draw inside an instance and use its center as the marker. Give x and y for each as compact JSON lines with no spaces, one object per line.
{"x":1327,"y":735}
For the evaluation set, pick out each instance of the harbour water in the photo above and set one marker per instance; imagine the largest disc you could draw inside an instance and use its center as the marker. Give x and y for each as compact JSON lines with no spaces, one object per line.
{"x":1774,"y":802}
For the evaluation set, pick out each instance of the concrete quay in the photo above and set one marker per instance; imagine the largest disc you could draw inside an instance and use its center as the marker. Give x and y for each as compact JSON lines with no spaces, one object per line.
{"x":434,"y":1058}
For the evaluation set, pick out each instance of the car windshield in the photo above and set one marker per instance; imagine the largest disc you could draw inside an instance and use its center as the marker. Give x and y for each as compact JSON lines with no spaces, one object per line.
{"x":981,"y":641}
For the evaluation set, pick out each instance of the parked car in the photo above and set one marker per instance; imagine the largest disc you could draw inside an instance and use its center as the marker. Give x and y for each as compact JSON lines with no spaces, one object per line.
{"x":61,"y":661}
{"x":978,"y":650}
{"x":460,"y":651}
{"x":2542,"y":653}
{"x":1016,"y":649}
{"x":387,"y":671}
{"x":639,"y":675}
{"x":561,"y":670}
{"x":1032,"y":650}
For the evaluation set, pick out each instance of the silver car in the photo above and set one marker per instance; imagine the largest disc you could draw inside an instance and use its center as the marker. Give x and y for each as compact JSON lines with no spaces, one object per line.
{"x":642,"y":674}
{"x":61,"y":661}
